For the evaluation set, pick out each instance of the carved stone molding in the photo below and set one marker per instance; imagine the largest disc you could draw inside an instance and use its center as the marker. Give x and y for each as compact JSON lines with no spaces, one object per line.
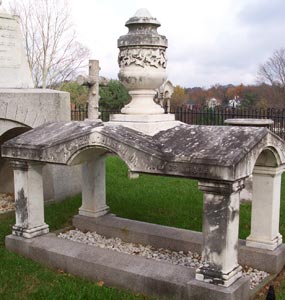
{"x":143,"y":58}
{"x":19,"y":165}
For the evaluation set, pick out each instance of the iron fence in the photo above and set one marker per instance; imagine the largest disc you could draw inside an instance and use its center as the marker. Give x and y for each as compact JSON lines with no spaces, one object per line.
{"x":79,"y":112}
{"x":217,"y":116}
{"x":204,"y":116}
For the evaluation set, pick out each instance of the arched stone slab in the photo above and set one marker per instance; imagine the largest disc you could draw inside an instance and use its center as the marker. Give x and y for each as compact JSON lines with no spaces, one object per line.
{"x":202,"y":152}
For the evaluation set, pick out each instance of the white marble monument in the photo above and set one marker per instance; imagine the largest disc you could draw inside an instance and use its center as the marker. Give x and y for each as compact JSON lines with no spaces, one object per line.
{"x":23,"y":107}
{"x":142,"y":61}
{"x":14,"y":69}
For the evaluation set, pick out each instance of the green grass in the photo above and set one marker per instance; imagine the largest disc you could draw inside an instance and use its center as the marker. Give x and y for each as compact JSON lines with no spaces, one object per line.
{"x":162,"y":200}
{"x":23,"y":279}
{"x":168,"y":201}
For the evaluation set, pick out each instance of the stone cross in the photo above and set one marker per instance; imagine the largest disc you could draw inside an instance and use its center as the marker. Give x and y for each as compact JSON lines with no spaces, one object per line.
{"x":92,"y":81}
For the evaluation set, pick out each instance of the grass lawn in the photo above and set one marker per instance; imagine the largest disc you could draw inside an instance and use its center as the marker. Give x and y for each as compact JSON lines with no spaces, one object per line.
{"x":168,"y":201}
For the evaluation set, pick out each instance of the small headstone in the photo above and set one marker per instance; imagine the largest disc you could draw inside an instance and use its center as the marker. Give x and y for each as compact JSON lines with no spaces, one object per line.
{"x":14,"y":68}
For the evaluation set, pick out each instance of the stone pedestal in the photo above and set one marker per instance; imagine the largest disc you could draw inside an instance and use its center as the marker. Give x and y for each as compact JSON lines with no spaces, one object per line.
{"x":29,"y":200}
{"x":265,"y":208}
{"x":220,"y":232}
{"x":148,"y":124}
{"x":93,"y":188}
{"x":250,"y":122}
{"x":142,"y":103}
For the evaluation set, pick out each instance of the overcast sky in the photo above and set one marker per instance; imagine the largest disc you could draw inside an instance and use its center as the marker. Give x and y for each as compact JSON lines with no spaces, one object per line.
{"x":209,"y":42}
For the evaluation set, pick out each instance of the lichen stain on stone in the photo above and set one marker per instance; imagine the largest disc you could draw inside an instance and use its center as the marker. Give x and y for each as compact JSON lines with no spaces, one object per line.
{"x":234,"y":214}
{"x":194,"y":151}
{"x":216,"y":219}
{"x":21,"y":207}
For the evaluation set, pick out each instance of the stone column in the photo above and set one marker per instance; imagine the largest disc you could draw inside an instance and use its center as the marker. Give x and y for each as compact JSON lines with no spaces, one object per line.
{"x":94,"y":188}
{"x":246,"y":193}
{"x":29,"y":200}
{"x":93,"y":97}
{"x":265,"y":208}
{"x":220,"y":232}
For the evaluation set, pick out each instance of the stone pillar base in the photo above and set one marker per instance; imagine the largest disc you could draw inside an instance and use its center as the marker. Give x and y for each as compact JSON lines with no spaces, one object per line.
{"x":142,"y":103}
{"x":91,"y":213}
{"x":30,"y":233}
{"x":264,"y":244}
{"x":133,"y":175}
{"x":217,"y":277}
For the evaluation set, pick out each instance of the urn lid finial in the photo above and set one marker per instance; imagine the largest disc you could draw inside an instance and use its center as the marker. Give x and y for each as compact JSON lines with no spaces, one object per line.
{"x":142,"y":31}
{"x":142,"y":15}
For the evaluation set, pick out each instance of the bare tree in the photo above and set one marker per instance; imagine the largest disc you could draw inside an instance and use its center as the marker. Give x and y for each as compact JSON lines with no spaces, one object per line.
{"x":273,"y":72}
{"x":53,"y":53}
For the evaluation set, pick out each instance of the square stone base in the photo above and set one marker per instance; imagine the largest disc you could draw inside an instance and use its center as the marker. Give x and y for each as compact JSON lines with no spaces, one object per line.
{"x":219,"y":278}
{"x":148,"y":124}
{"x":176,"y":239}
{"x":198,"y":290}
{"x":136,"y":273}
{"x":157,"y":278}
{"x":30,"y":233}
{"x":91,"y":213}
{"x":268,"y":245}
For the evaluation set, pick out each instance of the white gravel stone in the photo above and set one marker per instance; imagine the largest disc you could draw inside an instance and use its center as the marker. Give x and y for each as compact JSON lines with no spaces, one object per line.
{"x":6,"y":202}
{"x":187,"y":259}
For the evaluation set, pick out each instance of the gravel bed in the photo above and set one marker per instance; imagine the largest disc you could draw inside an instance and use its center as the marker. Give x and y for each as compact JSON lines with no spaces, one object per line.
{"x":189,"y":259}
{"x":6,"y":202}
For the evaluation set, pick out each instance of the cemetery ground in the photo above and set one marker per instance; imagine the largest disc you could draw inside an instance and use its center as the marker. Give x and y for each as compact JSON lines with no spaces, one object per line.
{"x":162,"y":200}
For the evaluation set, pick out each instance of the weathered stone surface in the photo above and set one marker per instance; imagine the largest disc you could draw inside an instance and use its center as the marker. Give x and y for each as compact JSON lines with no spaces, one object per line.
{"x":142,"y":61}
{"x":176,"y":239}
{"x":212,"y":152}
{"x":122,"y":270}
{"x":147,"y":124}
{"x":14,"y":69}
{"x":250,"y":122}
{"x":265,"y":212}
{"x":29,"y":200}
{"x":220,"y":232}
{"x":33,"y":107}
{"x":23,"y":109}
{"x":157,"y":236}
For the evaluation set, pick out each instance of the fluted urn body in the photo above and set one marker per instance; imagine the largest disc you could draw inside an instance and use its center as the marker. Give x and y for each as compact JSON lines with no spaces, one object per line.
{"x":142,"y":62}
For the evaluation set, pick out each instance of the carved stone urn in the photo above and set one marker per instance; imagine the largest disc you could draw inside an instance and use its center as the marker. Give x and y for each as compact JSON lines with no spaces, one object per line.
{"x":142,"y":62}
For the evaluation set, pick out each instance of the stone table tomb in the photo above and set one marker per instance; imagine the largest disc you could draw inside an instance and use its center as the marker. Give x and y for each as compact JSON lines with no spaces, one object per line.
{"x":220,"y":158}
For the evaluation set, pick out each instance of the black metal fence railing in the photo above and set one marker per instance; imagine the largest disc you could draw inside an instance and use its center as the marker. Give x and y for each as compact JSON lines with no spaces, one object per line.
{"x":204,"y":116}
{"x":79,"y":112}
{"x":217,"y":116}
{"x":105,"y":114}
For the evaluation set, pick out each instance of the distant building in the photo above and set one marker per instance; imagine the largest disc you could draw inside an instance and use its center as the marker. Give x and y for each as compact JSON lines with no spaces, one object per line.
{"x":234,"y":102}
{"x":164,"y":94}
{"x":190,"y":104}
{"x":213,"y":102}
